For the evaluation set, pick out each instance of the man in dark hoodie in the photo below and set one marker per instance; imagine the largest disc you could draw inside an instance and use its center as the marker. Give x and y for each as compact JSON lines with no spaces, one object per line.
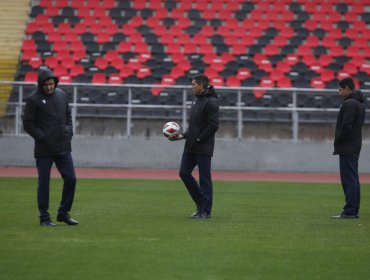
{"x":347,"y":144}
{"x":47,"y":118}
{"x":199,"y":146}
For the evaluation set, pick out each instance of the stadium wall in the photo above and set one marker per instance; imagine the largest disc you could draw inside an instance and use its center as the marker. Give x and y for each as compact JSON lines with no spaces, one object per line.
{"x":158,"y":153}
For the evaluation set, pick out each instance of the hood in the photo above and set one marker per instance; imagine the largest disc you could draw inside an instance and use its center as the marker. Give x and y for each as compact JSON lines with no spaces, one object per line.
{"x":44,"y":74}
{"x":210,"y":91}
{"x":358,"y":95}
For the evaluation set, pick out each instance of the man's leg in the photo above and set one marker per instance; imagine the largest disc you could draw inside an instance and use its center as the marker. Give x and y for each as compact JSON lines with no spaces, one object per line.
{"x":64,"y":164}
{"x":351,"y":185}
{"x":205,"y":181}
{"x":187,"y":166}
{"x":43,"y":165}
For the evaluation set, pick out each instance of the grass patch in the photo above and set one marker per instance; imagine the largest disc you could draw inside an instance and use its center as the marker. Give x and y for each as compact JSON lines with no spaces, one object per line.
{"x":140,"y":229}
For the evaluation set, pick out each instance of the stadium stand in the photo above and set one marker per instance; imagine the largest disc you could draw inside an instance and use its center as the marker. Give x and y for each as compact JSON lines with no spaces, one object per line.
{"x":13,"y":16}
{"x":265,"y":43}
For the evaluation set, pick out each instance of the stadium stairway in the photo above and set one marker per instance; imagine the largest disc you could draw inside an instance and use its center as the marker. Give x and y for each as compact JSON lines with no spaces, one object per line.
{"x":13,"y":20}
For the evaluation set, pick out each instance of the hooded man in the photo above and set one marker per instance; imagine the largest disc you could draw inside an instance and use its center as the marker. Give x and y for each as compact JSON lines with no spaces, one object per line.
{"x":47,"y":119}
{"x":199,"y":145}
{"x":347,"y":144}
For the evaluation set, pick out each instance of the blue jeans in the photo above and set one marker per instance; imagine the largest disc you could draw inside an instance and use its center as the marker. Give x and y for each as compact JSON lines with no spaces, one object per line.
{"x":64,"y":164}
{"x":350,"y":183}
{"x":200,"y":193}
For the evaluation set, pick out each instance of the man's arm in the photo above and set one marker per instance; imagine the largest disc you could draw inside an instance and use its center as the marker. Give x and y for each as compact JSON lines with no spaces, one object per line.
{"x":349,"y":113}
{"x":29,"y":121}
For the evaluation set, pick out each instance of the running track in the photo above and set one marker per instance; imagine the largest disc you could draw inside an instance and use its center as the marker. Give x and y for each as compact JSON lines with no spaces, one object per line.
{"x":95,"y":173}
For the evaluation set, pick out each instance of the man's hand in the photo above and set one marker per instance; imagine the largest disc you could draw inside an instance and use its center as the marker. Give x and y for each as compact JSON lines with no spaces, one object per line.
{"x":176,"y":137}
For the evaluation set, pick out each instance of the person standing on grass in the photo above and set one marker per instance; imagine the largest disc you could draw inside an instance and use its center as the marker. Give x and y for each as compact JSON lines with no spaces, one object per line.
{"x":199,"y":145}
{"x":47,"y":118}
{"x":347,"y":144}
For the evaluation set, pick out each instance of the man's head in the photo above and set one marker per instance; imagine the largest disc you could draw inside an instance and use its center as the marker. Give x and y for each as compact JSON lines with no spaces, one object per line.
{"x":346,"y":86}
{"x":48,"y":86}
{"x":47,"y":81}
{"x":199,"y":84}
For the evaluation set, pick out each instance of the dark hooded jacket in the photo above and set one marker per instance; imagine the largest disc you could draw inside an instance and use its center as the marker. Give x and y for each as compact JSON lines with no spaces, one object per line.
{"x":203,"y":123}
{"x":47,"y":118}
{"x":348,"y":131}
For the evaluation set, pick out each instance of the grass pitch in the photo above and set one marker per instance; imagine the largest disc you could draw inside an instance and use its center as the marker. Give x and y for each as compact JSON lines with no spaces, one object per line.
{"x":138,"y":229}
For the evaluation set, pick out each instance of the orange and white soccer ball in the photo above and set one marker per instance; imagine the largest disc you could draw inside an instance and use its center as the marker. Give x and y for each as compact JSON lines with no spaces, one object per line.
{"x":171,"y":129}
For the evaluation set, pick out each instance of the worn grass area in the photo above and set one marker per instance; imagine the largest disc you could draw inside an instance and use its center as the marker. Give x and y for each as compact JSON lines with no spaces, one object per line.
{"x":137,"y":229}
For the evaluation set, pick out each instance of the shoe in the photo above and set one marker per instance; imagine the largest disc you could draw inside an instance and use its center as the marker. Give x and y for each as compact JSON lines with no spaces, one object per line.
{"x":67,"y":219}
{"x":201,"y":215}
{"x":47,"y":223}
{"x":345,"y":216}
{"x":195,"y":214}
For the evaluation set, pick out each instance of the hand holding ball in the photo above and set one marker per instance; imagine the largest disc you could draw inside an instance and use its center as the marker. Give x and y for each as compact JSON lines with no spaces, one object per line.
{"x":171,"y":131}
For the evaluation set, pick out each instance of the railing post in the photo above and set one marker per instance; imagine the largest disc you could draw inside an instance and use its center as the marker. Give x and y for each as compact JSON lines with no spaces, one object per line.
{"x":129,"y":113}
{"x":74,"y":110}
{"x":295,"y":118}
{"x":18,"y":112}
{"x":240,"y":116}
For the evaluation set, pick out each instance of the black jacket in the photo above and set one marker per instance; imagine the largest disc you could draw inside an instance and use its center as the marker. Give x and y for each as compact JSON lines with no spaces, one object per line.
{"x":348,"y":131}
{"x":203,"y":124}
{"x":47,"y":118}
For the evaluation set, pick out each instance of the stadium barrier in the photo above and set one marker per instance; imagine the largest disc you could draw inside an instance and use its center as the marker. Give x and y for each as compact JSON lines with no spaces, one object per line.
{"x":129,"y":102}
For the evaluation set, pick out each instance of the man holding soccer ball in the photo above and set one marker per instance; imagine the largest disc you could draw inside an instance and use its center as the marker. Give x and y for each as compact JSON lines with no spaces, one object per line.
{"x":199,"y":145}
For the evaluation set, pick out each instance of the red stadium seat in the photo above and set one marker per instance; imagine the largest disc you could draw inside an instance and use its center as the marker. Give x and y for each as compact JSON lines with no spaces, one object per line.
{"x":42,"y":19}
{"x":143,"y":72}
{"x":115,"y":79}
{"x":65,"y":79}
{"x":217,"y":81}
{"x":78,"y":54}
{"x":35,"y":62}
{"x":99,"y":78}
{"x":31,"y":28}
{"x":284,"y":83}
{"x":317,"y":83}
{"x":31,"y":77}
{"x":60,"y":70}
{"x":232,"y":81}
{"x":134,"y":64}
{"x":243,"y":73}
{"x":51,"y":61}
{"x":112,"y":55}
{"x":126,"y":71}
{"x":28,"y":44}
{"x":117,"y":63}
{"x":167,"y":80}
{"x":276,"y":75}
{"x":101,"y":63}
{"x":76,"y":70}
{"x":51,"y":11}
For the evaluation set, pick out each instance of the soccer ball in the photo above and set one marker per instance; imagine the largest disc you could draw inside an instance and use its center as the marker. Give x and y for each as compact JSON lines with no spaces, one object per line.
{"x":171,"y":129}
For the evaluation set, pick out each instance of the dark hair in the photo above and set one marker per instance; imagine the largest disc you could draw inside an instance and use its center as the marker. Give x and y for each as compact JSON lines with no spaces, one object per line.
{"x":202,"y":80}
{"x":347,"y":82}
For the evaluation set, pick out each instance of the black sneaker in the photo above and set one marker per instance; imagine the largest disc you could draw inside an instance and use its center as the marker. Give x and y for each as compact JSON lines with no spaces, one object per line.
{"x":201,"y":215}
{"x":67,"y":219}
{"x":345,"y":216}
{"x":47,"y":223}
{"x":195,"y":214}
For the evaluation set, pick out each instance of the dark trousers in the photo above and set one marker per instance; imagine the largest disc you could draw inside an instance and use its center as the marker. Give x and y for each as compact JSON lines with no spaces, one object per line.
{"x":351,"y":184}
{"x":200,"y":193}
{"x":64,"y":164}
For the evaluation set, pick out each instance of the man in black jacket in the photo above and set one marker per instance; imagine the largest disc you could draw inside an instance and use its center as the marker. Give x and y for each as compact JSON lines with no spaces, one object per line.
{"x":47,"y":118}
{"x":199,"y":146}
{"x":347,"y":144}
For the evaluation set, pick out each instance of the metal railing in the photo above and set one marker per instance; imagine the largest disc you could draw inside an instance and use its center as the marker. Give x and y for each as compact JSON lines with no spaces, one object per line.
{"x":240,"y":107}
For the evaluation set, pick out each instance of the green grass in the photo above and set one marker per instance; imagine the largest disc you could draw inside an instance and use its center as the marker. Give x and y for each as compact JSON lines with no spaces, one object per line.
{"x":137,"y":229}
